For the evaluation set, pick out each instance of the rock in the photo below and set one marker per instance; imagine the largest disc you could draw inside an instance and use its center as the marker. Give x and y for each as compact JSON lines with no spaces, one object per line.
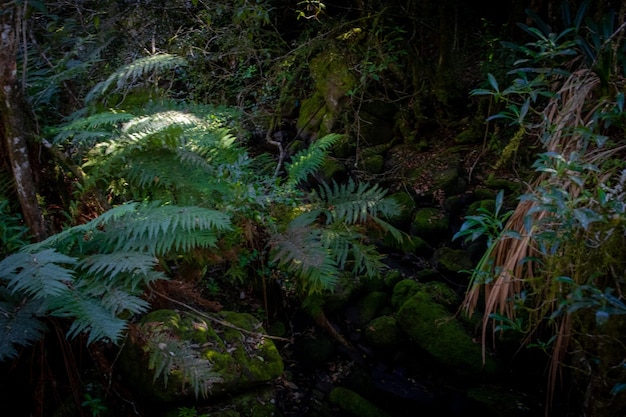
{"x":227,"y":355}
{"x":453,"y":263}
{"x":354,"y":404}
{"x":382,"y":333}
{"x":366,"y":308}
{"x":434,"y":328}
{"x":431,"y":224}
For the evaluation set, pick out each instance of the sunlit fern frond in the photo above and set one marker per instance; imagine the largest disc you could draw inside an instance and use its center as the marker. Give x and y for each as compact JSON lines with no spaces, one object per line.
{"x":309,"y":160}
{"x":128,"y":75}
{"x":354,"y":203}
{"x":350,"y":252}
{"x":92,"y":129}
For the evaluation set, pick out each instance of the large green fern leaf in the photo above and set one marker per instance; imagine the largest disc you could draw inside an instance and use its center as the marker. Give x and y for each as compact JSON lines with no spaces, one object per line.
{"x":129,"y":74}
{"x":20,"y":323}
{"x":308,"y":161}
{"x":38,"y":275}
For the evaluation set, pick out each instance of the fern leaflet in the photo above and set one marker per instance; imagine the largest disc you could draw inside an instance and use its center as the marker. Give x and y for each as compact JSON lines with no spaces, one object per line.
{"x":308,"y":161}
{"x":130,"y":73}
{"x":37,"y":275}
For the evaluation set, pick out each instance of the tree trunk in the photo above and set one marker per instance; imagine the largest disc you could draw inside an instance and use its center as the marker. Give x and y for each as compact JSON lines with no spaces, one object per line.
{"x":15,"y":121}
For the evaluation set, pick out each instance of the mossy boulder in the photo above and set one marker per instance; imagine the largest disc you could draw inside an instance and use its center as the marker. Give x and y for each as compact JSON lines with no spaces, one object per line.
{"x":407,"y":208}
{"x":367,"y":307}
{"x":431,"y":224}
{"x":382,"y":332}
{"x":355,"y":404}
{"x":402,"y":291}
{"x":434,"y":328}
{"x":453,"y":262}
{"x":333,"y":79}
{"x":449,"y":181}
{"x":372,"y":164}
{"x":225,"y":353}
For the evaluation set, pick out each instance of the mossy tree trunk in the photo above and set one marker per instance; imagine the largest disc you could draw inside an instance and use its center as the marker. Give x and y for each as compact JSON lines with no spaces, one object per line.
{"x":15,"y":121}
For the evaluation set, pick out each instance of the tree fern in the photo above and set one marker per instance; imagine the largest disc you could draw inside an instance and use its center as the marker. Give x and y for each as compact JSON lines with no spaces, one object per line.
{"x":130,"y":74}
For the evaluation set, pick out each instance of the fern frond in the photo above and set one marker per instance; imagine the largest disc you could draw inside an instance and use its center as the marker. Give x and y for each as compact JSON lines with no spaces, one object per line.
{"x":19,"y":323}
{"x":352,"y":204}
{"x":129,"y":74}
{"x":158,"y":122}
{"x":301,"y":251}
{"x":113,"y":297}
{"x":88,"y":316}
{"x":110,"y":265}
{"x":308,"y":161}
{"x":168,"y":354}
{"x":88,"y":130}
{"x":38,"y":275}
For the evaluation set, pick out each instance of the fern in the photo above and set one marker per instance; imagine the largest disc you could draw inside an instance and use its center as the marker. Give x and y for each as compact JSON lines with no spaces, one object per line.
{"x":308,"y":161}
{"x":39,"y":275}
{"x":354,"y":203}
{"x":168,"y":353}
{"x":301,"y":251}
{"x":88,"y":315}
{"x":20,"y":324}
{"x":129,"y":74}
{"x":92,"y":273}
{"x":321,"y":242}
{"x":90,"y":130}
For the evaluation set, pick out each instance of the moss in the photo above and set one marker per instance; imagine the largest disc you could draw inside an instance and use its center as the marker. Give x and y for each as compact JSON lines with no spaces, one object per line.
{"x":472,"y":209}
{"x":449,"y":181}
{"x":407,"y":208}
{"x":239,"y":360}
{"x":382,"y":332}
{"x":368,"y":306}
{"x":402,"y":291}
{"x":431,"y":224}
{"x":432,"y":327}
{"x":372,"y":164}
{"x":502,"y":184}
{"x":441,"y":293}
{"x":354,"y":404}
{"x":453,"y":261}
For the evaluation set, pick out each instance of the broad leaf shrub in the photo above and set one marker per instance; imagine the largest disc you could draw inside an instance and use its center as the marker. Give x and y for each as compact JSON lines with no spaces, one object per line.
{"x":555,"y":272}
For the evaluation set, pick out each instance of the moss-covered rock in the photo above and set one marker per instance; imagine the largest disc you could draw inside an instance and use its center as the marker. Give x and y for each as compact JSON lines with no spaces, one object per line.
{"x":366,"y":308}
{"x":355,"y":404}
{"x":402,"y":291}
{"x":453,"y":262}
{"x":407,"y":208}
{"x":382,"y":332}
{"x":435,"y":329}
{"x":231,"y":349}
{"x":372,"y":164}
{"x":333,"y":79}
{"x":431,"y":224}
{"x":449,"y":181}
